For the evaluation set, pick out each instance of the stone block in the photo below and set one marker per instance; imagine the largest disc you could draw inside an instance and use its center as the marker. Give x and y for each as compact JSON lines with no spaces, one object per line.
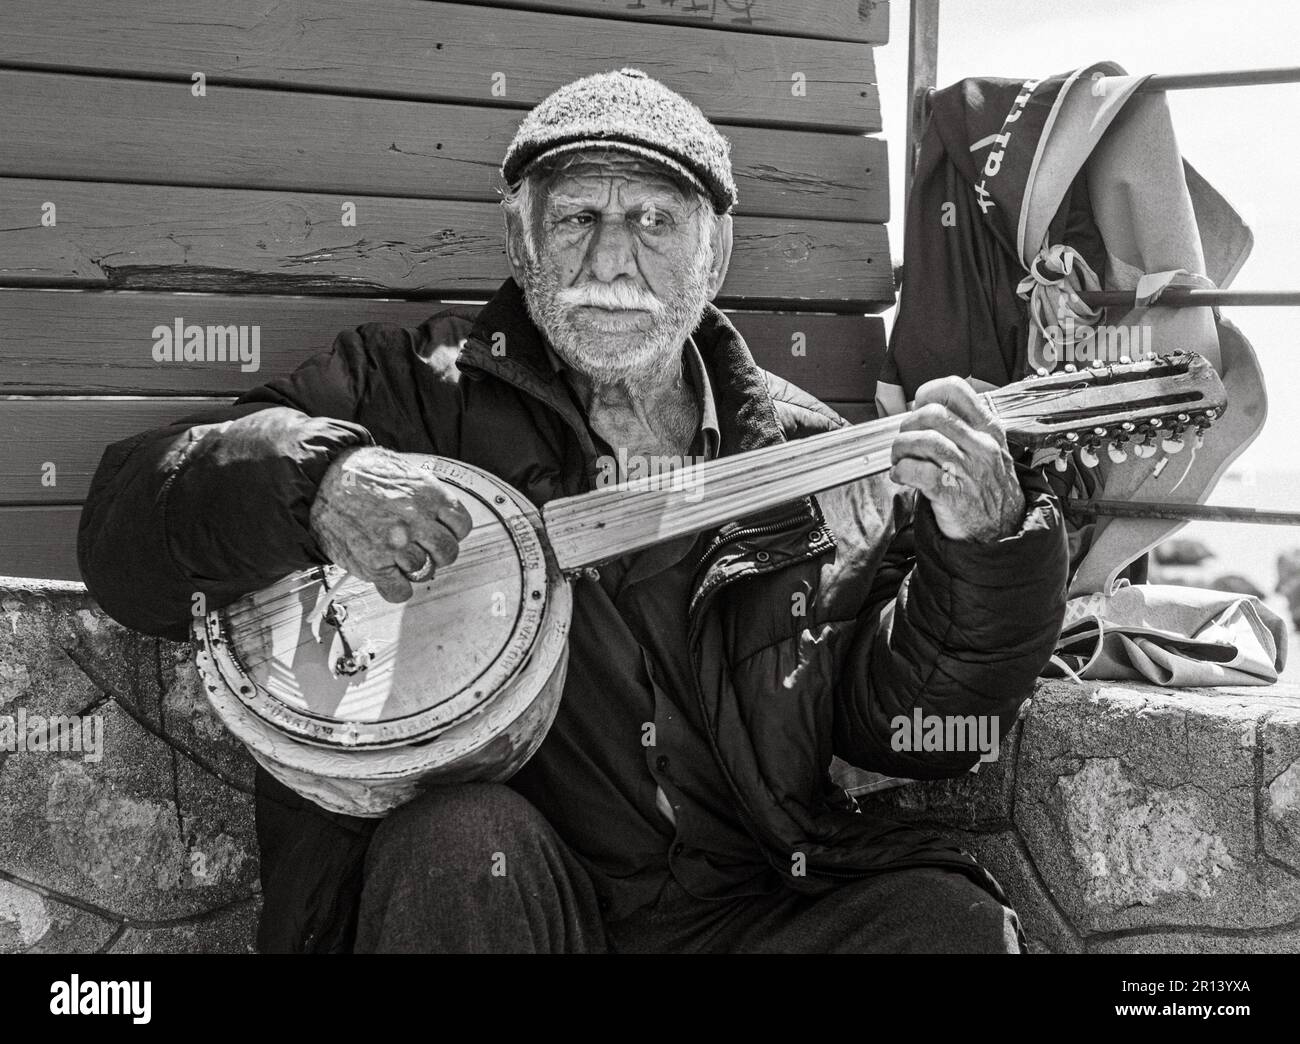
{"x":1137,"y":805}
{"x":148,"y":819}
{"x":1279,"y":784}
{"x":1002,"y":854}
{"x":230,"y":930}
{"x":34,"y":923}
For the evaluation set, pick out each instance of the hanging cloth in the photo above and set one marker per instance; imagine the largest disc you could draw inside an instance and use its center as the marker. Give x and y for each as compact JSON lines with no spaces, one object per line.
{"x":1027,"y":192}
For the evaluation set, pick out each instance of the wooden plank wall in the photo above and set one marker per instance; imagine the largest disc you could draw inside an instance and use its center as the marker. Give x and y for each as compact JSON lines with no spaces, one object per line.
{"x":129,"y":198}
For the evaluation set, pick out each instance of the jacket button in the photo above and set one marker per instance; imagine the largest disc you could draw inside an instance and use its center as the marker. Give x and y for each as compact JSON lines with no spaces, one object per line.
{"x":814,"y":536}
{"x":762,"y":556}
{"x":661,"y":762}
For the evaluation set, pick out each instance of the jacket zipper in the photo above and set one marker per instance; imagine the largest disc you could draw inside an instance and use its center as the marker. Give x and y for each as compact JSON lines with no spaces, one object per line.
{"x":749,"y":531}
{"x":719,"y":540}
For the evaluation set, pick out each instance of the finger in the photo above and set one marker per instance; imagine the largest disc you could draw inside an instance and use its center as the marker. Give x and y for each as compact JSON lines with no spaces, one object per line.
{"x":411,"y":558}
{"x":392,"y":585}
{"x":923,"y":476}
{"x":968,"y":440}
{"x":398,"y":536}
{"x":441,"y":502}
{"x":407,"y":553}
{"x":961,"y":399}
{"x":437,"y":539}
{"x":456,"y":517}
{"x":926,"y":444}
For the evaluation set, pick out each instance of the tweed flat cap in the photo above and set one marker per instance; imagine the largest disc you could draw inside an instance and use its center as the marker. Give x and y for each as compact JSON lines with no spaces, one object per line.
{"x":628,"y":111}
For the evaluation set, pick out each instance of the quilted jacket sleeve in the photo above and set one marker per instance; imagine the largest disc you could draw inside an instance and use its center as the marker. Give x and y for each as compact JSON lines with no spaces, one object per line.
{"x":218,"y":503}
{"x":969,"y":630}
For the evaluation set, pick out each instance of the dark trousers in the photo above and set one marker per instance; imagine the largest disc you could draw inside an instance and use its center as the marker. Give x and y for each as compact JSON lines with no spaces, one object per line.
{"x":477,"y":869}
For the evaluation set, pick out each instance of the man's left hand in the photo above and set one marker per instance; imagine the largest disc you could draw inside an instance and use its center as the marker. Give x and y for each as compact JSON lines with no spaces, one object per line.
{"x":952,"y":449}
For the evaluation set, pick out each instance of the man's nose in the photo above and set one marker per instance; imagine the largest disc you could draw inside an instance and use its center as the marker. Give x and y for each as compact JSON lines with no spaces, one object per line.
{"x":611,"y":253}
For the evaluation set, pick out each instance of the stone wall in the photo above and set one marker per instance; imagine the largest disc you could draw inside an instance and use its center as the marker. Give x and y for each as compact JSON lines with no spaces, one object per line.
{"x":1119,"y":818}
{"x":1132,"y":818}
{"x":147,"y":845}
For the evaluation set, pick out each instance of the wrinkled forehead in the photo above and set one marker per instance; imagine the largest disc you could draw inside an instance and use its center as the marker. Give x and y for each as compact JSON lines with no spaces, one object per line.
{"x":594,"y":177}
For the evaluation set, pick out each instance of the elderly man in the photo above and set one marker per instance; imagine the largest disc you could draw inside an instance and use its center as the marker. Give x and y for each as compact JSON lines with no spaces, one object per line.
{"x":682,"y":799}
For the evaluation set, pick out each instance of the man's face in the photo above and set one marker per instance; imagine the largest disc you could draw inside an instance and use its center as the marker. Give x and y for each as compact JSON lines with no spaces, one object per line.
{"x":621,"y":267}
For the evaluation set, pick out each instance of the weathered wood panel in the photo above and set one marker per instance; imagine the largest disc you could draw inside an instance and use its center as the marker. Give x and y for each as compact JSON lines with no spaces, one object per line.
{"x":863,"y":20}
{"x":90,"y":128}
{"x":445,"y":52}
{"x":39,"y":542}
{"x":223,"y":240}
{"x":388,"y":104}
{"x":91,"y":343}
{"x":53,"y":445}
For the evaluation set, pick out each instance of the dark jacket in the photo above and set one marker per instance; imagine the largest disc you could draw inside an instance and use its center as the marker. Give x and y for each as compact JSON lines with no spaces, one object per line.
{"x":220,"y":503}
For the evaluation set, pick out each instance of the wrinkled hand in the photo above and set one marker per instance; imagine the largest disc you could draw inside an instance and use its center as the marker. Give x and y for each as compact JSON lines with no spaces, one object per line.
{"x":376,"y":514}
{"x":952,"y":449}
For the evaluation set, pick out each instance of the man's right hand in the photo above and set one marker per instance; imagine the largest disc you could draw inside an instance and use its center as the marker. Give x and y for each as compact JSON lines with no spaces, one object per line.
{"x":381,"y":517}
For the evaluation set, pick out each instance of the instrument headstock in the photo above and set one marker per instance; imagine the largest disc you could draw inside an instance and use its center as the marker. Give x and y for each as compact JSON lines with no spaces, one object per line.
{"x":1136,"y":407}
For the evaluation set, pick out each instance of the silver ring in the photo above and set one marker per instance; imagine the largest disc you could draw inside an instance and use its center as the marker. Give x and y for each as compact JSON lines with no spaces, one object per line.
{"x":422,"y":574}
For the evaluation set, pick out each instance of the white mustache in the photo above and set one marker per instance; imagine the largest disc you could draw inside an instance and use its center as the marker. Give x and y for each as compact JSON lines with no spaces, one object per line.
{"x":610,"y":295}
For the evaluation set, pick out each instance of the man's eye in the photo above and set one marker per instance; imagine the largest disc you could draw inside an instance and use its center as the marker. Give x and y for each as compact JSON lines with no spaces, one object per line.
{"x":653,"y":217}
{"x":581,"y":220}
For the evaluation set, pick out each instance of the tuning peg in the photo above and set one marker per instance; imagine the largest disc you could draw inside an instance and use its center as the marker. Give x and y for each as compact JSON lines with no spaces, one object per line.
{"x":1061,"y":462}
{"x":1088,"y":456}
{"x":1116,"y":452}
{"x":1172,"y":446}
{"x":1144,"y":449}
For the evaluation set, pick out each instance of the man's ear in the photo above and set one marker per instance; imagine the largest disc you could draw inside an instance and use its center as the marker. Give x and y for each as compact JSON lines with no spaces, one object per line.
{"x":515,"y":255}
{"x":721,"y":239}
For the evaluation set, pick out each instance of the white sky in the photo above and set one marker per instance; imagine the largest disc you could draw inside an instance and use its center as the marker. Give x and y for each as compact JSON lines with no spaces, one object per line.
{"x":1244,"y":140}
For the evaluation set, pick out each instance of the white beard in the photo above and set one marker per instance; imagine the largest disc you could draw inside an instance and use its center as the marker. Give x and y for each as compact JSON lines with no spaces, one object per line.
{"x":608,"y":350}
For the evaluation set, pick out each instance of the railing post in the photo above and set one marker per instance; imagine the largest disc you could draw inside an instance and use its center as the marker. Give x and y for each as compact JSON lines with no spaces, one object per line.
{"x":922,"y":70}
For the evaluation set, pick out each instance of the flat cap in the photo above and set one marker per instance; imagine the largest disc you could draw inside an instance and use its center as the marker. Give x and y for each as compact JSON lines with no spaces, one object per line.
{"x":630,"y":112}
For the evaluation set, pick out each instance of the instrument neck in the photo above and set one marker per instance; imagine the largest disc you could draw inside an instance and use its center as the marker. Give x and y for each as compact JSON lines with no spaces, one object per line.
{"x":607,"y":523}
